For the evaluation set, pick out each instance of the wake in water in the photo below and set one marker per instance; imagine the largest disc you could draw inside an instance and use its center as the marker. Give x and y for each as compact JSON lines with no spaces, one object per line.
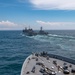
{"x":59,"y":41}
{"x":61,"y":36}
{"x":47,"y":38}
{"x":22,"y":34}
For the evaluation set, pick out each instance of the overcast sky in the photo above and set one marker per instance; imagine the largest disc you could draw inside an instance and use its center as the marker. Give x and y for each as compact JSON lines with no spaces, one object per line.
{"x":51,"y":14}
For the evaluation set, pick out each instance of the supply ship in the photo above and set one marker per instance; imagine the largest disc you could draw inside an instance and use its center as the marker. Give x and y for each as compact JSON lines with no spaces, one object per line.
{"x":31,"y":32}
{"x":47,"y":64}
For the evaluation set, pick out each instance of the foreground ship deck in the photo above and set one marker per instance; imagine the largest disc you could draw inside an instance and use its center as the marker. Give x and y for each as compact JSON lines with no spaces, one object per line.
{"x":44,"y":65}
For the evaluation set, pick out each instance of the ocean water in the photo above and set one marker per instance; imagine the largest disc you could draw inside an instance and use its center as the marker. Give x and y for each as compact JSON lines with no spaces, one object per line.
{"x":15,"y":47}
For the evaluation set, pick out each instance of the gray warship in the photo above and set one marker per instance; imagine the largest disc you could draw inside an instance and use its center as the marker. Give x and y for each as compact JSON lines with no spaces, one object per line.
{"x":31,"y":32}
{"x":42,"y":32}
{"x":47,"y":64}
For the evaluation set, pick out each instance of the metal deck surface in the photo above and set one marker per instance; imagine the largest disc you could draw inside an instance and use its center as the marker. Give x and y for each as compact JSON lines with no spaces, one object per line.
{"x":48,"y":65}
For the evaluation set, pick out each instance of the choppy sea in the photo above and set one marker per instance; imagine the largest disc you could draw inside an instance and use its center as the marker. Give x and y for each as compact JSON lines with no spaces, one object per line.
{"x":15,"y":47}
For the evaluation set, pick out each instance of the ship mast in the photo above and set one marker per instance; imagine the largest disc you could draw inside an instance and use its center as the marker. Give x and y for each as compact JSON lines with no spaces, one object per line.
{"x":41,"y":28}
